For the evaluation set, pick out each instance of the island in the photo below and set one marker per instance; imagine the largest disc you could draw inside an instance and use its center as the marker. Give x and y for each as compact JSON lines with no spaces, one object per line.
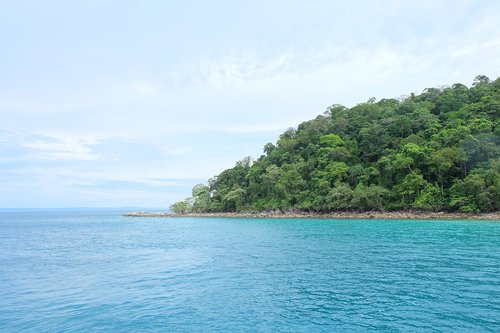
{"x":434,"y":154}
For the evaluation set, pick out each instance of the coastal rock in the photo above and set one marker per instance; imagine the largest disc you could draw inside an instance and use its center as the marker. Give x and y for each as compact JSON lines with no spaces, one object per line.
{"x":147,"y":214}
{"x":420,"y":215}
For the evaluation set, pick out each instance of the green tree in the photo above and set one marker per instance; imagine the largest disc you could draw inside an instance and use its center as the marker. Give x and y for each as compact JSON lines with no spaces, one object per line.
{"x":182,"y":207}
{"x":409,"y":189}
{"x":430,"y":198}
{"x":270,"y":178}
{"x":339,"y":197}
{"x":369,"y":197}
{"x":479,"y":191}
{"x":234,"y":199}
{"x":201,"y":198}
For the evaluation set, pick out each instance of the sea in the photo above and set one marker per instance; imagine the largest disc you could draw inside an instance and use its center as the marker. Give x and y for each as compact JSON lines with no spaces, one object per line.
{"x":97,"y":271}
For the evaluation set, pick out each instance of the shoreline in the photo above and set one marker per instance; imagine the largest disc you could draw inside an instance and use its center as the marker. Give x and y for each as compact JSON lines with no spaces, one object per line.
{"x":412,"y":215}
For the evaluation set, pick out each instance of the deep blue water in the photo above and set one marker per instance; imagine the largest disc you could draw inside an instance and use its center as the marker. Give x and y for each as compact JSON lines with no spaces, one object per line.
{"x":100,"y":272}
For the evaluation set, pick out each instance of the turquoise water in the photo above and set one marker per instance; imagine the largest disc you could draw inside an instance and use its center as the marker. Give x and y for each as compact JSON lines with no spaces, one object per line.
{"x":99,"y":272}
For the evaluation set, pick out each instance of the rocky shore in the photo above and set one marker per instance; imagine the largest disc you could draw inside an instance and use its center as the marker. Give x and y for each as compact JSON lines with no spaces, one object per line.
{"x":148,"y":214}
{"x":337,"y":215}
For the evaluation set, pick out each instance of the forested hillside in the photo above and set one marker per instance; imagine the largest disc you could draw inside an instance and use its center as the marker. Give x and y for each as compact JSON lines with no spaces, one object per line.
{"x":437,"y":151}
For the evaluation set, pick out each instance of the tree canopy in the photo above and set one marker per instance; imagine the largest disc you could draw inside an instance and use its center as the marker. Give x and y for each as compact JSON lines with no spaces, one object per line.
{"x":435,"y":151}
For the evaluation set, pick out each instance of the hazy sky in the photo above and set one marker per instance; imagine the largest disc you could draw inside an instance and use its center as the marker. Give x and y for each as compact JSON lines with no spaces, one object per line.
{"x":131,"y":103}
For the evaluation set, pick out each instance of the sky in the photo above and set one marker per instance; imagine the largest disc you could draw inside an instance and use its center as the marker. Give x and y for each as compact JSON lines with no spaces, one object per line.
{"x":131,"y":103}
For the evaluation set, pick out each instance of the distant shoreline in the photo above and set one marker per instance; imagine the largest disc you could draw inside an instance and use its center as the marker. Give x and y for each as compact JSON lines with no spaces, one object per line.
{"x":414,"y":215}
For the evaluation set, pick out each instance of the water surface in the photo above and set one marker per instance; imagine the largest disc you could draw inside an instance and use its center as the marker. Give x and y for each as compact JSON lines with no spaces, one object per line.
{"x":98,"y":271}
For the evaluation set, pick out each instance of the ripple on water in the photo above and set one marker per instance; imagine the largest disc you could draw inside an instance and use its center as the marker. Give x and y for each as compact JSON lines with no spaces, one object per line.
{"x":84,"y":273}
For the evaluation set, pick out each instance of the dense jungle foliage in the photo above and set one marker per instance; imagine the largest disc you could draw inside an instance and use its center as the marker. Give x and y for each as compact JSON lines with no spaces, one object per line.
{"x":437,"y":151}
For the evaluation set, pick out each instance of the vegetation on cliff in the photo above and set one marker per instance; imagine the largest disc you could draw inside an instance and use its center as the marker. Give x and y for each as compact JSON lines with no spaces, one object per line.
{"x":437,"y":151}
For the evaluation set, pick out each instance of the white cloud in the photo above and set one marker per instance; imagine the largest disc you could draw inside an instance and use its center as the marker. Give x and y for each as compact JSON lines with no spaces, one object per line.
{"x":33,"y":146}
{"x":60,"y":151}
